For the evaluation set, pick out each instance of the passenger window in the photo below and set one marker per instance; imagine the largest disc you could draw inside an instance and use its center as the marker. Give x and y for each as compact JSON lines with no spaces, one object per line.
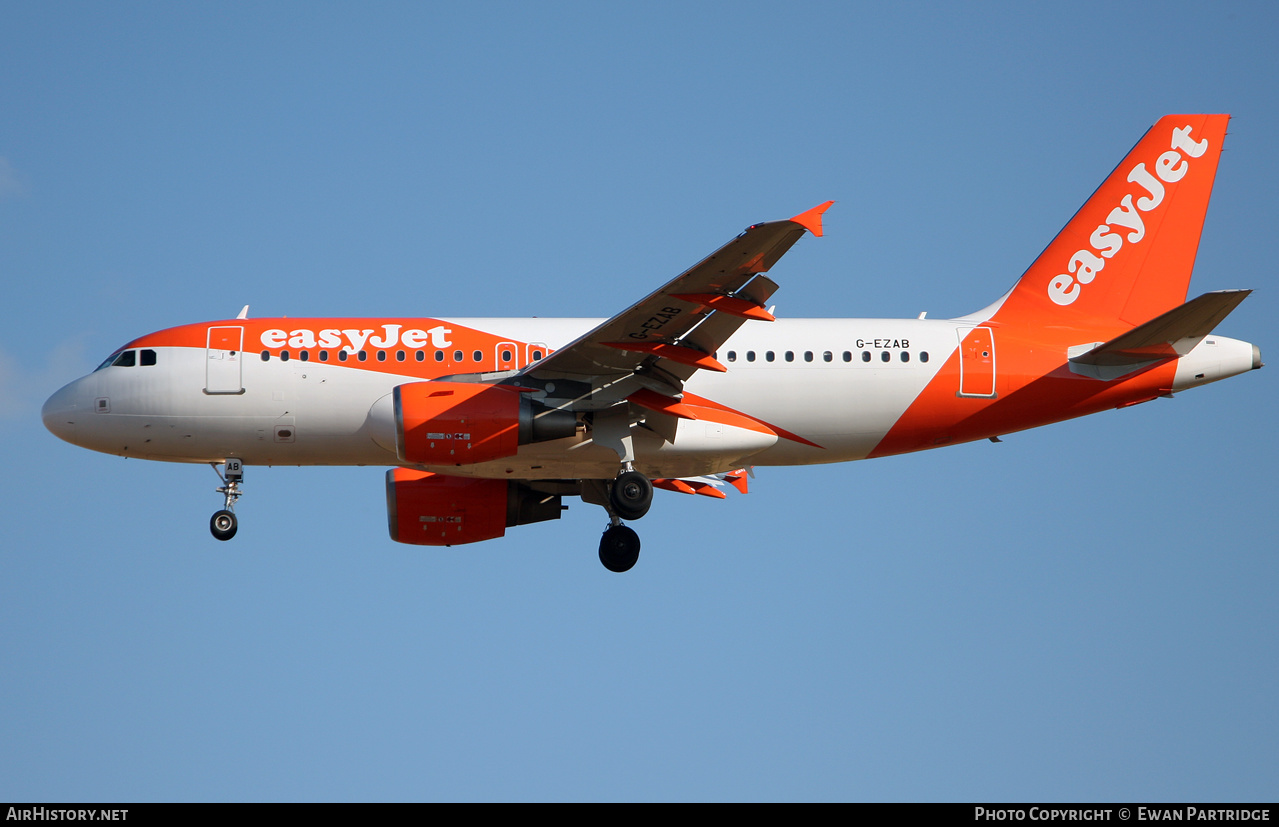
{"x":305,"y":355}
{"x":537,"y":356}
{"x":457,"y":356}
{"x":923,"y":356}
{"x":790,"y":356}
{"x":439,"y":356}
{"x":905,"y":355}
{"x":769,"y":356}
{"x":362,"y":356}
{"x":341,"y":355}
{"x":750,"y":356}
{"x":808,"y":356}
{"x":420,"y":356}
{"x":148,"y":357}
{"x":848,"y":356}
{"x":284,"y":356}
{"x":732,"y":356}
{"x":865,"y":355}
{"x":885,"y":356}
{"x":126,"y":360}
{"x":827,"y":356}
{"x":506,"y":356}
{"x":381,"y":355}
{"x":266,"y":355}
{"x":324,"y":356}
{"x":399,"y":356}
{"x":477,"y":356}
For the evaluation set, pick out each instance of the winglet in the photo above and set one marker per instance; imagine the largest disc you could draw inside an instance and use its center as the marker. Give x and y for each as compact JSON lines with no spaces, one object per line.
{"x":812,"y":219}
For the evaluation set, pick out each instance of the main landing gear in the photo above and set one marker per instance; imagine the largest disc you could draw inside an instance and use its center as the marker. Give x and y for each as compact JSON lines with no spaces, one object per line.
{"x":631,"y":495}
{"x":619,"y":548}
{"x":223,"y":524}
{"x":629,"y":498}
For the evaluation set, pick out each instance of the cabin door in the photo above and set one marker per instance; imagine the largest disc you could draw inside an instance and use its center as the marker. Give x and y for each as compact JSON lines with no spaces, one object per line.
{"x":224,"y":360}
{"x":976,"y":362}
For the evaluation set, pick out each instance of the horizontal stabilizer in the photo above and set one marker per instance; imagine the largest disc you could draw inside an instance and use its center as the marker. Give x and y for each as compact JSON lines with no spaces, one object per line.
{"x":1167,"y":336}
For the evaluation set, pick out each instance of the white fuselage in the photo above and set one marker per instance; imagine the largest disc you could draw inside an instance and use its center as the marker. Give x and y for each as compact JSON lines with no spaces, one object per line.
{"x":840,"y":384}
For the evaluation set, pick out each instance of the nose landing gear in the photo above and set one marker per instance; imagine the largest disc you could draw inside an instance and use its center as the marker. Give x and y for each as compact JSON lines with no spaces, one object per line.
{"x":223,"y":524}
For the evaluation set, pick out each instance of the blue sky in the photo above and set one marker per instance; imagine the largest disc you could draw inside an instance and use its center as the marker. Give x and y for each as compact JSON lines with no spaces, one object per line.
{"x":1082,"y":612}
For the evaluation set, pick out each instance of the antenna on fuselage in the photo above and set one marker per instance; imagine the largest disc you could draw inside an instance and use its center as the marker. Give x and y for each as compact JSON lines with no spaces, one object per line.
{"x":244,"y":314}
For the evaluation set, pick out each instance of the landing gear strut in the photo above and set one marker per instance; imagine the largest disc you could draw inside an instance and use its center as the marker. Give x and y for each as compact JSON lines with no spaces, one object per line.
{"x":223,"y":524}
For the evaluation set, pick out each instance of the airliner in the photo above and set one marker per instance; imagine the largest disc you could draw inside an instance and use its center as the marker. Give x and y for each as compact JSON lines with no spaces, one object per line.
{"x":489,"y":423}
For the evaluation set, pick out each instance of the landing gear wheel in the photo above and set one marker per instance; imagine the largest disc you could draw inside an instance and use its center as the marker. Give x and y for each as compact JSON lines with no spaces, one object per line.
{"x":223,"y":525}
{"x":619,"y":548}
{"x":630,"y":495}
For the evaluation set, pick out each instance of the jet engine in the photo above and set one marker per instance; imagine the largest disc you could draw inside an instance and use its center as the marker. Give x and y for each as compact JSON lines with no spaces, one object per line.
{"x":460,"y":423}
{"x":428,"y":509}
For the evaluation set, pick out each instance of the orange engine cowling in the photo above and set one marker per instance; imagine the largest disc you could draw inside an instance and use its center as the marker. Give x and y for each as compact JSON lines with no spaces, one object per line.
{"x":428,"y":509}
{"x":460,"y":423}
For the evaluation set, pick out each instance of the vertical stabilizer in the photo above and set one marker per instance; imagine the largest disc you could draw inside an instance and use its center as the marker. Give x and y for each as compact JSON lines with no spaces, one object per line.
{"x":1127,"y":255}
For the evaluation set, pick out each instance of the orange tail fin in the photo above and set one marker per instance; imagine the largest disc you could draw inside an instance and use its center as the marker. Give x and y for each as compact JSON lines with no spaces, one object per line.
{"x":1127,"y":255}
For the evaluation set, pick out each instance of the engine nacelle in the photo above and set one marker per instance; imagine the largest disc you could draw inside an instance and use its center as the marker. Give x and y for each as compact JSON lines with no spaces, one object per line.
{"x":428,"y":509}
{"x":461,"y":423}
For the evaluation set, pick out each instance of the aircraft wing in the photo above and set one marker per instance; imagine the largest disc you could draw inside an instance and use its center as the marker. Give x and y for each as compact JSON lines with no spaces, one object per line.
{"x":708,"y":485}
{"x":667,"y":336}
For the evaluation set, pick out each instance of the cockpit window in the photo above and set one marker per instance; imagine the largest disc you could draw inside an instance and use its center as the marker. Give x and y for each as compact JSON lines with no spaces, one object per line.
{"x":128,"y":359}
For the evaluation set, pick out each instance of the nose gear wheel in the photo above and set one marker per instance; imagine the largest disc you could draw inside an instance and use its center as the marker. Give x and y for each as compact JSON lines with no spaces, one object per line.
{"x":223,"y":525}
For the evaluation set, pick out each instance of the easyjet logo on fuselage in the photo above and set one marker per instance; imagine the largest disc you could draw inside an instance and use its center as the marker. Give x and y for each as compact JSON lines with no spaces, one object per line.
{"x":392,"y":335}
{"x":1170,"y":168}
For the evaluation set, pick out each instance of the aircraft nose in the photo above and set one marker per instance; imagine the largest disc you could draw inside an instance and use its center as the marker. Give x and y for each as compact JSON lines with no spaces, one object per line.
{"x":61,"y":412}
